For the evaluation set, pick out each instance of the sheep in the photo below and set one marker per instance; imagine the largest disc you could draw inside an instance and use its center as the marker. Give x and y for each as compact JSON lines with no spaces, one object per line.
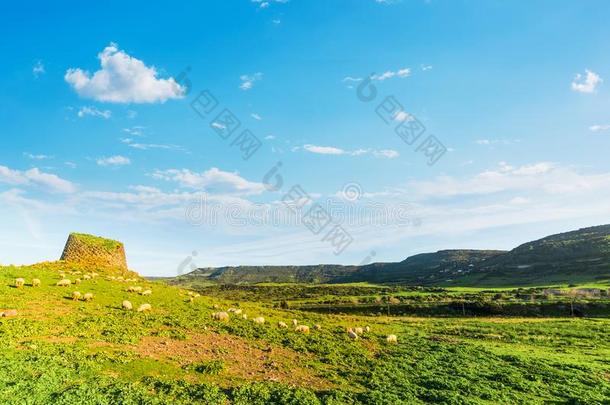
{"x":88,"y":297}
{"x":144,"y":307}
{"x":76,"y":295}
{"x":282,"y":325}
{"x":351,"y":334}
{"x":19,"y":282}
{"x":317,"y":326}
{"x":77,"y":281}
{"x":221,"y":316}
{"x":8,"y":312}
{"x":127,"y":305}
{"x":367,"y":329}
{"x":236,"y":311}
{"x":302,"y":329}
{"x":94,"y":274}
{"x":359,"y":331}
{"x":260,"y":320}
{"x":146,"y":292}
{"x":64,"y":282}
{"x":295,"y":322}
{"x":392,"y":339}
{"x":36,"y":282}
{"x":244,"y":316}
{"x":86,"y":277}
{"x":216,"y":306}
{"x":134,"y":289}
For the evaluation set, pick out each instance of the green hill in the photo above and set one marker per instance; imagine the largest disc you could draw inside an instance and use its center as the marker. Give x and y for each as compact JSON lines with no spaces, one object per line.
{"x":574,"y":257}
{"x":58,"y":348}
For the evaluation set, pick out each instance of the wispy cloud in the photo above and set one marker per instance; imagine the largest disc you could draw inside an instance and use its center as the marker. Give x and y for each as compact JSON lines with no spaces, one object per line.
{"x":247,"y":81}
{"x":135,"y":130}
{"x":123,"y":79}
{"x":331,"y":150}
{"x":147,"y":146}
{"x":117,"y":160}
{"x":94,"y":112}
{"x":38,"y":69}
{"x":34,"y":176}
{"x":256,"y":116}
{"x":213,"y":179}
{"x":586,"y":83}
{"x":36,"y":157}
{"x":599,"y":128}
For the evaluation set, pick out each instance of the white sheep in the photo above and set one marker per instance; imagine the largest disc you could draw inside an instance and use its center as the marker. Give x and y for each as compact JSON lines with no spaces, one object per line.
{"x":64,"y":282}
{"x":144,"y":307}
{"x":302,"y":329}
{"x":236,"y":311}
{"x":282,"y":325}
{"x":259,"y":319}
{"x":295,"y":322}
{"x":19,"y":282}
{"x":127,"y":305}
{"x":392,"y":339}
{"x":244,"y":316}
{"x":86,"y":277}
{"x":220,"y":316}
{"x":77,"y":281}
{"x":76,"y":295}
{"x":351,"y":334}
{"x":146,"y":292}
{"x":88,"y":297}
{"x":35,"y":282}
{"x":359,"y":331}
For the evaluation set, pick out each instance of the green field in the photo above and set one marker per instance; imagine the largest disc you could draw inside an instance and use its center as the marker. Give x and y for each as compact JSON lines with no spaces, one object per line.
{"x":61,"y":351}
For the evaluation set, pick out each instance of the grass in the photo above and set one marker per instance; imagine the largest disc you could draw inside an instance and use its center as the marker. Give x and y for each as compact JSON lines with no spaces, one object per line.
{"x":106,"y":244}
{"x":64,"y":352}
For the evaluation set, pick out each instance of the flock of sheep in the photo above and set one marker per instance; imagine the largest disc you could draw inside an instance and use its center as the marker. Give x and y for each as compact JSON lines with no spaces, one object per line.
{"x":353,"y":333}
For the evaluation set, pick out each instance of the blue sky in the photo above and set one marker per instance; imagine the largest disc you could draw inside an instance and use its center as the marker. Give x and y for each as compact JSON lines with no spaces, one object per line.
{"x":99,"y":135}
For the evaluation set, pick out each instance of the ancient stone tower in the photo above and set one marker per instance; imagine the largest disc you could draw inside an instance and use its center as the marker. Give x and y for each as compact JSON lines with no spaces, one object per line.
{"x":89,"y":249}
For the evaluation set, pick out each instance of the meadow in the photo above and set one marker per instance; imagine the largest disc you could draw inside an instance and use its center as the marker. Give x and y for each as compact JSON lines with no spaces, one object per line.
{"x":60,"y":351}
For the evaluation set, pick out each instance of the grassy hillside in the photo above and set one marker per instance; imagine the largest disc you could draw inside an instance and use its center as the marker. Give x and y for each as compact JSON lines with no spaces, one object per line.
{"x":60,"y":351}
{"x":574,"y":257}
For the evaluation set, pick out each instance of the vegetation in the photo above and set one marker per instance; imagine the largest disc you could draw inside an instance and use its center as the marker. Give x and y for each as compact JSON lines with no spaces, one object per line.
{"x":96,"y":241}
{"x":60,"y":351}
{"x":581,"y":256}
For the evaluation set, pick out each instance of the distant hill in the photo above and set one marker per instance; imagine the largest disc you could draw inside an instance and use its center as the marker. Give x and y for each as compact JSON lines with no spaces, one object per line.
{"x":574,"y":257}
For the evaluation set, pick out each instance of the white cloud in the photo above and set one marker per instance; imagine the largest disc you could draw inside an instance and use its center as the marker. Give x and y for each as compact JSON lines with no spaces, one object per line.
{"x":135,"y":131}
{"x":425,"y":68}
{"x":269,"y":137}
{"x":34,"y":176}
{"x":402,"y":116}
{"x":256,"y":116}
{"x":386,"y":153}
{"x":213,"y":179}
{"x":587,"y":83}
{"x":117,"y":160}
{"x":331,"y":150}
{"x":147,"y":146}
{"x":599,"y":128}
{"x":93,"y":112}
{"x":542,"y":177}
{"x":492,"y":142}
{"x":324,"y":150}
{"x":123,"y":79}
{"x":37,"y":157}
{"x":247,"y":81}
{"x":38,"y":69}
{"x":401,"y":73}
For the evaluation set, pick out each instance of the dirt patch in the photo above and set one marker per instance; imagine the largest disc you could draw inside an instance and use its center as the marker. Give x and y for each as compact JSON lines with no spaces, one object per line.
{"x":241,"y":358}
